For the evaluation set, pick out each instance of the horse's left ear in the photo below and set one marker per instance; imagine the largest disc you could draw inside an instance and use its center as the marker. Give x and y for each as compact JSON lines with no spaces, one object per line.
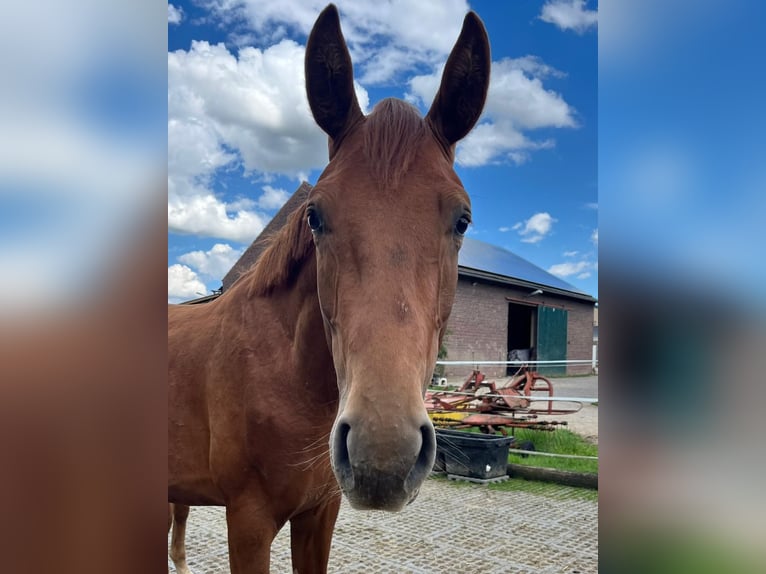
{"x":330,"y":77}
{"x":465,"y":81}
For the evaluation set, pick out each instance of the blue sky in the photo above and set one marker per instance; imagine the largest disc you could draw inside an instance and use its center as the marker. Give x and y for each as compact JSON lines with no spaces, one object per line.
{"x":240,"y":137}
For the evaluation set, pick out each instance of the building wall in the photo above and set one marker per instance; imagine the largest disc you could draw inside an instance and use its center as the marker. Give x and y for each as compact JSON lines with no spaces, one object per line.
{"x":579,"y":336}
{"x":478,"y":326}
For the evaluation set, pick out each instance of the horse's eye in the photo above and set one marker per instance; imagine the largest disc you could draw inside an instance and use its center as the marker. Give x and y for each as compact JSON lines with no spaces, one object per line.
{"x":461,"y":225}
{"x":314,"y":221}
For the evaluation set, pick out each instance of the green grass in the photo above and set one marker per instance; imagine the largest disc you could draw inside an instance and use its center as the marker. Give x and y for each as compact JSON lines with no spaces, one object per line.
{"x":560,"y":441}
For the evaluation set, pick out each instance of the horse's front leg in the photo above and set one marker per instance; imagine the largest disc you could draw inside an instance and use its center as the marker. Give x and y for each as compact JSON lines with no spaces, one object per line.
{"x":251,"y":531}
{"x":180,"y":513}
{"x":311,"y":536}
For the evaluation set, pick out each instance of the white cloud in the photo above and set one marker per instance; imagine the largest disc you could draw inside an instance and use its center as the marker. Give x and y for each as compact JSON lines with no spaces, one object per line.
{"x":534,"y":66}
{"x":517,"y":94}
{"x":214,"y":263}
{"x":241,"y":204}
{"x":272,"y":198}
{"x":246,"y":111}
{"x":183,"y":284}
{"x":194,"y":151}
{"x":572,"y":268}
{"x":519,"y":157}
{"x":493,"y":142}
{"x":535,"y":228}
{"x":504,"y":229}
{"x":205,"y":215}
{"x":569,"y":15}
{"x":386,"y":39}
{"x":591,"y":205}
{"x":253,"y":103}
{"x":570,"y":253}
{"x":594,"y":236}
{"x":175,"y":15}
{"x":517,"y":102}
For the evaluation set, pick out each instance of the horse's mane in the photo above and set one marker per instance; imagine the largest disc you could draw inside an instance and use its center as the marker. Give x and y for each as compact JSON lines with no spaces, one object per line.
{"x":391,"y":133}
{"x":283,"y":256}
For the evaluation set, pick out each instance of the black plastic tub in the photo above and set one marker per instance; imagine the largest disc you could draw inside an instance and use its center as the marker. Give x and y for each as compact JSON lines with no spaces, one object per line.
{"x":471,"y":455}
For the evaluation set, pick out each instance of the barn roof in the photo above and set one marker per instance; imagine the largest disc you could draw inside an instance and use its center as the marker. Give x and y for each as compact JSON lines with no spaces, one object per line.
{"x":486,"y":261}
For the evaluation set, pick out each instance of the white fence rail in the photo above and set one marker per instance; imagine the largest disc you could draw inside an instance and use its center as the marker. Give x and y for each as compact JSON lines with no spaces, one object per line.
{"x":553,"y":399}
{"x":562,"y":362}
{"x":551,"y":454}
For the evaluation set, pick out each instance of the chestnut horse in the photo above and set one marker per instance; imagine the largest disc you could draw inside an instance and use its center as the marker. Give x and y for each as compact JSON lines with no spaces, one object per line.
{"x":306,"y":378}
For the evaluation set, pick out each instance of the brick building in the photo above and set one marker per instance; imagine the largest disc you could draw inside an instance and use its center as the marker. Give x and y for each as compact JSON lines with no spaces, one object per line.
{"x":505,"y":303}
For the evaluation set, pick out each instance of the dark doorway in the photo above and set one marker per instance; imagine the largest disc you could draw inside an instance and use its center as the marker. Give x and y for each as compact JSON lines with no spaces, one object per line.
{"x":521,"y":331}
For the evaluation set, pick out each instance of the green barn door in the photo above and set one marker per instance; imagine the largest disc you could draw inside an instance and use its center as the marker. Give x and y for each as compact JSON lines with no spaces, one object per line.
{"x":551,"y":339}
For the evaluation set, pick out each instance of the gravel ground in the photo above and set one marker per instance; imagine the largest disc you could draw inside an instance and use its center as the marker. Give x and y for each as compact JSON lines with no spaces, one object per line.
{"x":451,"y":527}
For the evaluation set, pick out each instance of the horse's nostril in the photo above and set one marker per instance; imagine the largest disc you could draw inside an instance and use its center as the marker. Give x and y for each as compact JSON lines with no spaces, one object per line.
{"x":428,"y":444}
{"x":340,"y":456}
{"x":425,"y":461}
{"x":341,"y":440}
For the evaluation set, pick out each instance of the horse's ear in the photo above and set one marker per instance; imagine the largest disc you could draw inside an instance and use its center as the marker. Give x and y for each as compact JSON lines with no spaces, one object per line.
{"x":330,"y":76}
{"x":463,"y":90}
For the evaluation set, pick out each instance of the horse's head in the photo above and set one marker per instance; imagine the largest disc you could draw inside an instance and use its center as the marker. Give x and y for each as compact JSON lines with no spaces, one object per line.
{"x":388,"y":217}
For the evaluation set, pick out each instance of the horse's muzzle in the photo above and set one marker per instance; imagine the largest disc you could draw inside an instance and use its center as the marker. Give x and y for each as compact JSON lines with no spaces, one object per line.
{"x":381,"y":470}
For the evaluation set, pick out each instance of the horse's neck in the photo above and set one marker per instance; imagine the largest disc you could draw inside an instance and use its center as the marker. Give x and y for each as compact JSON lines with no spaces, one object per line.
{"x":296,"y":308}
{"x":306,"y":324}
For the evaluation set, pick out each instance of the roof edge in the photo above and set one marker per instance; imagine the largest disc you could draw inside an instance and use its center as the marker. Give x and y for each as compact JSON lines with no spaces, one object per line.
{"x":199,"y":300}
{"x":478,"y":274}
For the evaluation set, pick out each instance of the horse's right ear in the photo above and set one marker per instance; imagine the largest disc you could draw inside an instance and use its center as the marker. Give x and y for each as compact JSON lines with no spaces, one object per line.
{"x":330,"y":77}
{"x":465,"y":81}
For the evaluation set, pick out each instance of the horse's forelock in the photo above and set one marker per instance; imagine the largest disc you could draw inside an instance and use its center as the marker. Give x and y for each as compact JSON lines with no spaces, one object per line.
{"x":392,"y":133}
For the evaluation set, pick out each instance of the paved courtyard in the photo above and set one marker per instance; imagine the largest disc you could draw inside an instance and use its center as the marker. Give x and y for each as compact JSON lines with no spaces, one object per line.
{"x":451,"y":527}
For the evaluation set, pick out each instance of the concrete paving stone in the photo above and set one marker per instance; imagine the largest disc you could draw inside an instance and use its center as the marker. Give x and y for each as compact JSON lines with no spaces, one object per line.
{"x":450,"y":528}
